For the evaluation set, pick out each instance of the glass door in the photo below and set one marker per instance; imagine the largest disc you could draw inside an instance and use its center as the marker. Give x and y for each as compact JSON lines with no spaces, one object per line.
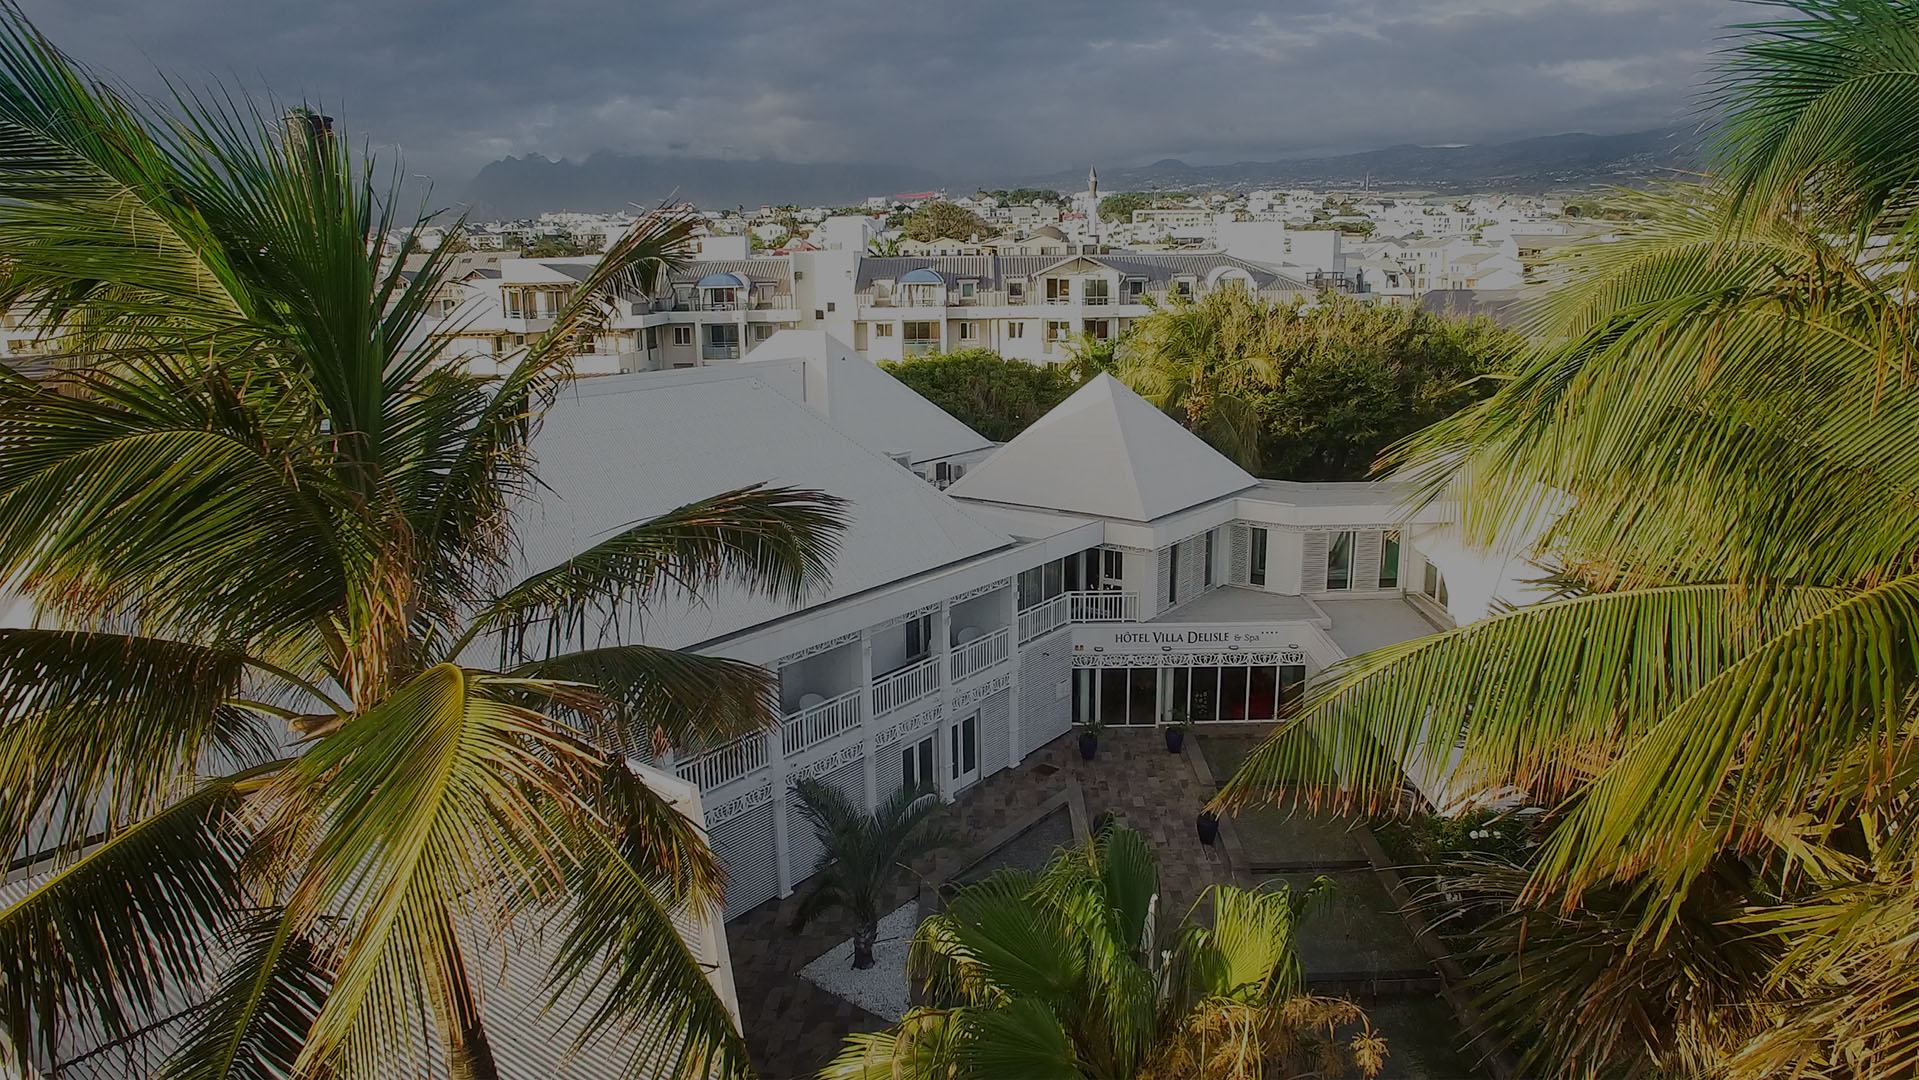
{"x":964,"y":738}
{"x":916,"y":766}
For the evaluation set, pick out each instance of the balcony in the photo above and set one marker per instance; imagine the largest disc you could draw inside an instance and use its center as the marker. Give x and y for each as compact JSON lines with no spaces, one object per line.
{"x":972,"y":657}
{"x":920,"y":348}
{"x":724,"y":351}
{"x":1096,"y":301}
{"x":1105,"y":605}
{"x":816,"y":723}
{"x":726,"y":763}
{"x":897,"y":689}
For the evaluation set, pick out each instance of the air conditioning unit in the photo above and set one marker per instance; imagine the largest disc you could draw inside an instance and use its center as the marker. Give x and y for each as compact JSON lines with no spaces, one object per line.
{"x":947,"y":472}
{"x":903,"y":457}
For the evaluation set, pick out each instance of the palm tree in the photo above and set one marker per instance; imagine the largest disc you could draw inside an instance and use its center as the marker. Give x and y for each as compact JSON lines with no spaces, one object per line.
{"x":1058,"y":975}
{"x":1717,"y":424}
{"x":269,"y":527}
{"x":863,"y":855}
{"x":1204,"y":360}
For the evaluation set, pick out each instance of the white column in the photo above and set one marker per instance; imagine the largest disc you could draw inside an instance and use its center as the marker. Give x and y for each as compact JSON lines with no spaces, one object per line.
{"x":943,"y":655}
{"x":1015,"y":747}
{"x":867,"y":725}
{"x":776,"y":765}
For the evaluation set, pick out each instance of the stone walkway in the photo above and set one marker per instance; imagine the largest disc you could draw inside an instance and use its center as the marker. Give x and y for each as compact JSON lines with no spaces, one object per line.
{"x":793,"y":1027}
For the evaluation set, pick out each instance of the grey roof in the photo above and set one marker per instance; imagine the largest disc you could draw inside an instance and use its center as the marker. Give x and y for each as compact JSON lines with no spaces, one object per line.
{"x":620,"y":449}
{"x":576,"y":271}
{"x":776,"y":270}
{"x":877,"y":267}
{"x":1159,"y":268}
{"x":1507,"y":307}
{"x":1105,"y":451}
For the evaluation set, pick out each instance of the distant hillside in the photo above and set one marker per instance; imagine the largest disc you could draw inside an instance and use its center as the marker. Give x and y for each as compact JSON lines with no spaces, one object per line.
{"x":522,"y":187}
{"x":1528,"y":165}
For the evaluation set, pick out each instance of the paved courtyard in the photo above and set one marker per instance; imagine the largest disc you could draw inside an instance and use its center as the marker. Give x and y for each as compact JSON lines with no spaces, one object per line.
{"x":793,"y":1027}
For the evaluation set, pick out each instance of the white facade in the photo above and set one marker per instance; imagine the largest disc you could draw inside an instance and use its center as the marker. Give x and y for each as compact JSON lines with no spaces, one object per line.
{"x":1138,"y":575}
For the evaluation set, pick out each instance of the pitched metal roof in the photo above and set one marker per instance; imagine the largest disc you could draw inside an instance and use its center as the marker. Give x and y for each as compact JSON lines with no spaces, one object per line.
{"x":759,"y":270}
{"x":1105,"y":451}
{"x":991,"y":270}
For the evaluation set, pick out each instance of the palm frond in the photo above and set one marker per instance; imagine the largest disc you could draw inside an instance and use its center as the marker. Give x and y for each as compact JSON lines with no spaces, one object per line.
{"x":95,"y":720}
{"x":621,"y":962}
{"x":1541,"y":698}
{"x":253,"y":1024}
{"x":432,"y":806}
{"x":660,"y":698}
{"x":773,"y":542}
{"x":102,"y":943}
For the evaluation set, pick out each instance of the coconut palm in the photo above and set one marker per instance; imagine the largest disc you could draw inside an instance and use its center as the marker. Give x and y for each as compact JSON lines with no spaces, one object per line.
{"x":1203,"y":360}
{"x":1715,"y":433}
{"x":864,"y":855}
{"x":256,"y":735}
{"x":1058,"y":974}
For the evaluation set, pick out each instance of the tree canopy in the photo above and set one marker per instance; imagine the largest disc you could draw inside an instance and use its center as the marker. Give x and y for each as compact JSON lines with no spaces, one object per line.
{"x":1718,"y":712}
{"x":987,"y":392}
{"x":936,"y":220}
{"x":1308,"y":392}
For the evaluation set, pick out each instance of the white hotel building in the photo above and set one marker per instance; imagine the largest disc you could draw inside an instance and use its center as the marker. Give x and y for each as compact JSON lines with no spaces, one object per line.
{"x":1106,"y":563}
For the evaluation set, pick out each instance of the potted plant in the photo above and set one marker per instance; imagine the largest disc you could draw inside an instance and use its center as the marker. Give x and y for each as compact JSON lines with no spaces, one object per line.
{"x":1089,"y":738}
{"x":1208,"y":827}
{"x":1176,"y":728}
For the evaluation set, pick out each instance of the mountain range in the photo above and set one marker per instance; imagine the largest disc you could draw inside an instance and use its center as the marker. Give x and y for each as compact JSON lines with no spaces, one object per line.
{"x":524,"y":186}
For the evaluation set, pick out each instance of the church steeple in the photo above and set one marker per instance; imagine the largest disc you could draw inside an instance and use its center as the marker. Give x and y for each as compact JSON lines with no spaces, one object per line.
{"x":1092,"y":202}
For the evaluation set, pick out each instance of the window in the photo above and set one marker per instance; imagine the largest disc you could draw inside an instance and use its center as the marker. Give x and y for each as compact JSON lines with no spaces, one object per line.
{"x":921,"y":333}
{"x":818,"y":314}
{"x":1435,"y":586}
{"x":1097,"y":291}
{"x":829,"y":305}
{"x":1099,"y":329}
{"x":1389,"y":560}
{"x":968,"y":289}
{"x":916,"y":766}
{"x":652,"y":337}
{"x":1207,"y":578}
{"x":919,"y":639}
{"x":1059,"y":290}
{"x":1015,"y":331}
{"x":510,"y":299}
{"x":1257,"y":573}
{"x":1058,"y":331}
{"x":1135,"y":289}
{"x":1339,"y":562}
{"x":884,"y":329}
{"x":1183,"y":287}
{"x":1015,"y":292}
{"x":1111,"y":570}
{"x":1172,"y":579}
{"x":762,"y":331}
{"x":969,"y":331}
{"x":682,"y":335}
{"x":965,"y":746}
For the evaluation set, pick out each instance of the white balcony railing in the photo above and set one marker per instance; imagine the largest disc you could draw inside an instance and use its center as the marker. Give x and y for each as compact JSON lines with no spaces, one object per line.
{"x":724,"y":764}
{"x":981,"y":653}
{"x":905,"y":686}
{"x":810,"y":727}
{"x":1104,"y":605}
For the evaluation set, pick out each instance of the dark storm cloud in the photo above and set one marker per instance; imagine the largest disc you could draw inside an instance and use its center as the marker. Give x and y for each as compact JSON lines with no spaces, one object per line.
{"x":1002,"y":83}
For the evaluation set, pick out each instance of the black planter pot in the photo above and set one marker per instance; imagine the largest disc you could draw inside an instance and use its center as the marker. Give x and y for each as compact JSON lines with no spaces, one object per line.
{"x":1088,"y":746}
{"x":1208,"y":828}
{"x":1175,"y":739}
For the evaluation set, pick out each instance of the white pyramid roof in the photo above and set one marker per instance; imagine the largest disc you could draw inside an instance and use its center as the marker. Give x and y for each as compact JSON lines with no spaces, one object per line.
{"x":1105,"y":451}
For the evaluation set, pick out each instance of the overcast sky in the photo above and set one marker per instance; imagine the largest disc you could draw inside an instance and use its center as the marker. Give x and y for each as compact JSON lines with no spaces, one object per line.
{"x":1016,"y":83}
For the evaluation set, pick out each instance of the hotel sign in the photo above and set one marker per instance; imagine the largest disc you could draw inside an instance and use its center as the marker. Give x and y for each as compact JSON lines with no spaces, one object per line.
{"x":1114,"y":645}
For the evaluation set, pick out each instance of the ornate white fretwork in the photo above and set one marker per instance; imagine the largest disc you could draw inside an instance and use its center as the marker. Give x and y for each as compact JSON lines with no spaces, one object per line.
{"x":740,"y":804}
{"x":906,"y":727}
{"x":1266,"y":658}
{"x":813,"y":770}
{"x":815,"y":650}
{"x":973,"y":695}
{"x":906,"y":618}
{"x":982,"y":590}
